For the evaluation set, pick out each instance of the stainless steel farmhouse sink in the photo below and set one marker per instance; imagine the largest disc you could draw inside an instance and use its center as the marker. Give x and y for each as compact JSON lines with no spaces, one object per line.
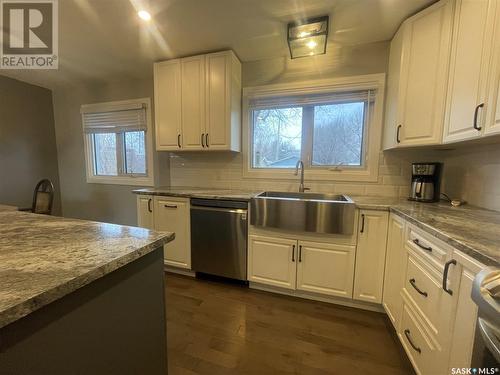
{"x":304,"y":212}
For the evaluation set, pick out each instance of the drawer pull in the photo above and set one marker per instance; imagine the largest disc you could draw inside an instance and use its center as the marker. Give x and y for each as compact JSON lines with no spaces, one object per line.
{"x":149,"y":205}
{"x":170,"y":206}
{"x":445,"y":276}
{"x":412,"y":282}
{"x":476,"y":112}
{"x":293,"y":253}
{"x":426,"y":248}
{"x":408,"y":337}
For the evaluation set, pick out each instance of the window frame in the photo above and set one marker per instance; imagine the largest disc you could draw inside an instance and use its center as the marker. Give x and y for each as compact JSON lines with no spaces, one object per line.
{"x":122,"y":178}
{"x":372,"y":136}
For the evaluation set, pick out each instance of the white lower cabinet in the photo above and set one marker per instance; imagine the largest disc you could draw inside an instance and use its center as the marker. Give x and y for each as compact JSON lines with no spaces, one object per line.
{"x":293,"y":263}
{"x":271,"y":261}
{"x":370,"y":256}
{"x":325,"y":268}
{"x":172,"y":215}
{"x":427,"y":297}
{"x":394,"y":270}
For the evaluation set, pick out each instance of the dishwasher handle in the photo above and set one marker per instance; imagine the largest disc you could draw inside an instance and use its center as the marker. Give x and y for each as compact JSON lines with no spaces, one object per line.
{"x":218,"y":209}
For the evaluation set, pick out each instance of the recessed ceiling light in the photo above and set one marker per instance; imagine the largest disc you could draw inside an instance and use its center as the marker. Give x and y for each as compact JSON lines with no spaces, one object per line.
{"x":144,"y":15}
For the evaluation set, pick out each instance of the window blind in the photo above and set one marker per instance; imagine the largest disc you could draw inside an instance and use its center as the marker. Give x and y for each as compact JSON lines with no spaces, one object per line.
{"x":99,"y":118}
{"x":312,"y":99}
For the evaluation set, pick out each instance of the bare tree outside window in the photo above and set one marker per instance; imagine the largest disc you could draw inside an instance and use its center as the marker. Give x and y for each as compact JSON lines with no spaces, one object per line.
{"x":135,"y":153}
{"x":105,"y":154}
{"x":338,"y":134}
{"x":277,"y":137}
{"x":321,"y":135}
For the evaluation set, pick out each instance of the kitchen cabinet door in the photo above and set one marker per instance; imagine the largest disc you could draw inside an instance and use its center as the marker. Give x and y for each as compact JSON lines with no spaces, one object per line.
{"x":467,"y":83}
{"x":145,"y":217}
{"x":272,"y":261}
{"x":223,"y":101}
{"x":426,"y":51}
{"x":464,"y":326}
{"x":370,"y":256}
{"x":492,"y":125}
{"x":168,"y":127}
{"x":325,"y":268}
{"x":173,"y":215}
{"x":394,"y":270}
{"x":193,"y":102}
{"x":393,"y":118}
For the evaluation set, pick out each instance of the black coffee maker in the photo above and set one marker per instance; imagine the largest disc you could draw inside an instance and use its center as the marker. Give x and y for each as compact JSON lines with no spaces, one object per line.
{"x":425,"y":182}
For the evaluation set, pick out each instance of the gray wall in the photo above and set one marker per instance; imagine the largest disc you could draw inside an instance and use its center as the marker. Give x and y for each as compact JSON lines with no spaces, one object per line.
{"x":101,"y":202}
{"x":27,"y":142}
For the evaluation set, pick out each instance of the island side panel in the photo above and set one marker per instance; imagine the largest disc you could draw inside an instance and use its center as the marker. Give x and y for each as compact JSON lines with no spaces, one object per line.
{"x":114,"y":325}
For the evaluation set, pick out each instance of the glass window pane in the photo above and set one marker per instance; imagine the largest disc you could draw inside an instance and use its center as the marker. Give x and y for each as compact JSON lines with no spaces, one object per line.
{"x":105,"y":154}
{"x":135,"y":152}
{"x":277,"y":137}
{"x":338,"y":134}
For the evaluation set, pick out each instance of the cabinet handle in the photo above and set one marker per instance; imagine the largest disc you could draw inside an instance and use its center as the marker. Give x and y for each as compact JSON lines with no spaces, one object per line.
{"x":293,"y":253}
{"x":445,"y":276}
{"x":300,"y":253}
{"x":206,"y":141}
{"x":202,"y":144}
{"x":408,"y":337}
{"x":476,"y":113}
{"x":398,"y":133}
{"x":414,"y":285}
{"x":179,"y":140}
{"x":362,"y":223}
{"x":170,"y":206}
{"x":426,"y":248}
{"x":149,"y":205}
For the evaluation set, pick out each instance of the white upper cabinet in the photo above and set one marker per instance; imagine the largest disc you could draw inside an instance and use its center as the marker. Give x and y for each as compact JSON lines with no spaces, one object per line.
{"x":198,"y":107}
{"x":193,"y":102}
{"x":492,"y":125}
{"x":469,"y":63}
{"x":168,"y":105}
{"x":418,"y":70}
{"x":223,"y":102}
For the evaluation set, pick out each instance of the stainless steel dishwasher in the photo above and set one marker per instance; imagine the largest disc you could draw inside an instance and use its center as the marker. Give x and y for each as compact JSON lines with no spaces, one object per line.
{"x":219,"y":234}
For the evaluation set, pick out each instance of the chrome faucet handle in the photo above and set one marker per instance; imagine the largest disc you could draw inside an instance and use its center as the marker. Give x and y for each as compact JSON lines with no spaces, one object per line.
{"x":306,"y":189}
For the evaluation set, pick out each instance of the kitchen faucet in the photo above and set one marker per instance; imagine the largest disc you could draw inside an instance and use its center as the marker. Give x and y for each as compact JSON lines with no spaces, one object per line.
{"x":300,"y":165}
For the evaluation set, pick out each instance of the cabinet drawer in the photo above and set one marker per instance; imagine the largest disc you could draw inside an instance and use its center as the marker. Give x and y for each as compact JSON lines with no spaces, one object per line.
{"x":430,"y":247}
{"x":421,"y":351}
{"x":424,"y":287}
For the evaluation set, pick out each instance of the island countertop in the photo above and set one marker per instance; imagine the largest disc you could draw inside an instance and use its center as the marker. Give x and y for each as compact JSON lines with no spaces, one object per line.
{"x":43,"y":258}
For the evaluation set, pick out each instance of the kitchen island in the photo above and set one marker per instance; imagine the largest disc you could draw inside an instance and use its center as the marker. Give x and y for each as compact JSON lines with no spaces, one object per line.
{"x":80,"y":297}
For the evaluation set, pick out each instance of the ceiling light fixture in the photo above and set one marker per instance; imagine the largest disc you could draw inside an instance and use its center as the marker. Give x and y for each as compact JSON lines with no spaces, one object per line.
{"x":308,"y":37}
{"x":143,"y":14}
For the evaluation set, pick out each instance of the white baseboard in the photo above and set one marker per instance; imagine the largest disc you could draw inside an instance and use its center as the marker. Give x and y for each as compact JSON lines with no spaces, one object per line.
{"x":317,"y":297}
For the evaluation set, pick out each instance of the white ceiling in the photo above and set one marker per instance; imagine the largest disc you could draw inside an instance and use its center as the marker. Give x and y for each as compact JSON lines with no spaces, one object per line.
{"x":104,"y":40}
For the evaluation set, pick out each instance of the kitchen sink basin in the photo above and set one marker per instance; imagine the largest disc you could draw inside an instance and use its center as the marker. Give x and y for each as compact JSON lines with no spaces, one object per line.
{"x":303,"y":212}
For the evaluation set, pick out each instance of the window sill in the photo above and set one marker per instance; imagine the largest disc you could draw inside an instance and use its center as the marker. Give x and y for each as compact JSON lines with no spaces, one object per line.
{"x":127,"y":181}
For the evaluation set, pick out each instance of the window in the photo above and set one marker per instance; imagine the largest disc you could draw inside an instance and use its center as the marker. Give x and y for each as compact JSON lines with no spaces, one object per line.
{"x":118,"y":142}
{"x":334,"y":129}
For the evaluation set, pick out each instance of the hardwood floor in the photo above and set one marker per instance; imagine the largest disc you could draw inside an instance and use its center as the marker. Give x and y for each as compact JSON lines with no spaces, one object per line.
{"x":217,"y":328}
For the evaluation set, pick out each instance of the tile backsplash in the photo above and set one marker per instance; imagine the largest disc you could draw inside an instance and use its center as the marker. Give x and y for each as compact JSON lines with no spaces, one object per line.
{"x":471,"y":173}
{"x":225,"y":170}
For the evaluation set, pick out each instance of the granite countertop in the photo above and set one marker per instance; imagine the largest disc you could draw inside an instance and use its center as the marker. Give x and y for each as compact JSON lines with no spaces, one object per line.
{"x":192,"y":192}
{"x":472,"y":230}
{"x":43,"y":258}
